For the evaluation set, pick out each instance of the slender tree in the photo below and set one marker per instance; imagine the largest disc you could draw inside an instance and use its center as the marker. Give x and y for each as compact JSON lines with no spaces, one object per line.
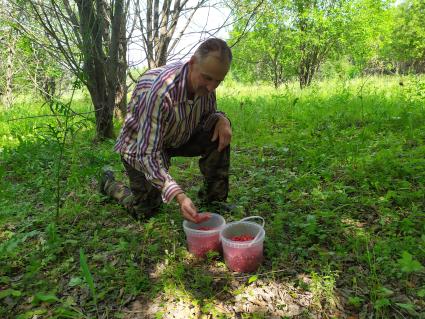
{"x":162,"y":24}
{"x":11,"y":53}
{"x":89,"y":36}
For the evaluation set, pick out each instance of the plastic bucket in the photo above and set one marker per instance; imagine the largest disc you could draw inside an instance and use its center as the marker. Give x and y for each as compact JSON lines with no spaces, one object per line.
{"x":199,"y":240}
{"x":243,"y":256}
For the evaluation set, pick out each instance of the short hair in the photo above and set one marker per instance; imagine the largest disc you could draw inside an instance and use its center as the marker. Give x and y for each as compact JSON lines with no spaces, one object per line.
{"x":214,"y":45}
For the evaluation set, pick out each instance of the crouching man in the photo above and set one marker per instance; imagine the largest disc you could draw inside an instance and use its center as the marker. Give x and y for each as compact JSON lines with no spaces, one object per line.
{"x":173,"y":112}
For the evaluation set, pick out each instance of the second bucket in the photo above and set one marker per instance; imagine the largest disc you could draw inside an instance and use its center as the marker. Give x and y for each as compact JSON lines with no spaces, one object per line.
{"x":243,"y":256}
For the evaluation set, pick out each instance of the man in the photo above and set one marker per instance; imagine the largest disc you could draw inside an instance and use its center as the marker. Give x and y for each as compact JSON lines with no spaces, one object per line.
{"x":173,"y":112}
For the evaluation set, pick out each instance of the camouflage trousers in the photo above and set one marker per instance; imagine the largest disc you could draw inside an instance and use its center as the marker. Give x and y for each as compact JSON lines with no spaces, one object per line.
{"x":141,"y":199}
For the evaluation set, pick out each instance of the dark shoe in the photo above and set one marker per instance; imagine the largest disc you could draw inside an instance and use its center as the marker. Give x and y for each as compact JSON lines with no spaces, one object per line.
{"x":220,"y":207}
{"x":106,"y":177}
{"x":141,"y":216}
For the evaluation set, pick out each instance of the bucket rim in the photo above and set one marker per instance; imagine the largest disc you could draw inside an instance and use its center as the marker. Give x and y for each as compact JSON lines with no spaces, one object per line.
{"x":247,"y":243}
{"x":186,"y":227}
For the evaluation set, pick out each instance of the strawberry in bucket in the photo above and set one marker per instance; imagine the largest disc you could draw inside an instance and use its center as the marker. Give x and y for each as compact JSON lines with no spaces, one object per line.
{"x":243,"y":245}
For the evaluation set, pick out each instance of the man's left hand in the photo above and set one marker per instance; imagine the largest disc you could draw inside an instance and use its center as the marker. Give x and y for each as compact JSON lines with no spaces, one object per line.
{"x":223,"y":132}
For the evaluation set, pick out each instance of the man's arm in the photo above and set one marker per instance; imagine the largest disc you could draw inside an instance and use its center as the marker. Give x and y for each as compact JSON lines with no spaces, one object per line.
{"x":219,"y":121}
{"x":150,"y":152}
{"x":222,"y":132}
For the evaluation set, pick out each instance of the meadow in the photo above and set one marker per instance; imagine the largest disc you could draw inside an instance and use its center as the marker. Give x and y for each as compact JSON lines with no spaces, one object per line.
{"x":336,"y":170}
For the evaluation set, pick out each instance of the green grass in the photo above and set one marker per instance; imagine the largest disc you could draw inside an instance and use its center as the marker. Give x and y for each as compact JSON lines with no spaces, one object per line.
{"x":337,"y":171}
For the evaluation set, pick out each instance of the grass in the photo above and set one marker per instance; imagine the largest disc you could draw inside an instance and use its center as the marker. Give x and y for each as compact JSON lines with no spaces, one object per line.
{"x":337,"y":171}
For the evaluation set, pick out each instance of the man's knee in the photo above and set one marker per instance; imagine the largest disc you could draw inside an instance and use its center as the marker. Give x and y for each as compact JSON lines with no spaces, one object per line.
{"x":143,"y":209}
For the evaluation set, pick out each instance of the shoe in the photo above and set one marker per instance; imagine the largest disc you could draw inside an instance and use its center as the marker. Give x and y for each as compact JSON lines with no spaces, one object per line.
{"x":106,"y":177}
{"x":220,"y":207}
{"x":226,"y":207}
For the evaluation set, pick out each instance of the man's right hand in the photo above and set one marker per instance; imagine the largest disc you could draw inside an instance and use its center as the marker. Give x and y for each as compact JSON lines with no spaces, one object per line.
{"x":188,"y":209}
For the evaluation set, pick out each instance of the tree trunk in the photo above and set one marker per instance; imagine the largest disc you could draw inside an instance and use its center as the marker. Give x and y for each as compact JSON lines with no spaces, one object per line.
{"x":102,"y":70}
{"x":309,"y":65}
{"x":8,"y":94}
{"x":160,"y":26}
{"x":103,"y":113}
{"x":121,"y":93}
{"x":48,"y":89}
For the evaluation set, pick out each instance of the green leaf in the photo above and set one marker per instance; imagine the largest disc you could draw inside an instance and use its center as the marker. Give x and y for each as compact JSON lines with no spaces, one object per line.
{"x":381,"y":303}
{"x":408,"y":264}
{"x":63,"y":312}
{"x":10,"y":292}
{"x":407,"y":306}
{"x":75,"y":281}
{"x":46,"y":297}
{"x":355,"y":301}
{"x":421,"y":293}
{"x":87,"y":275}
{"x":385,"y":292}
{"x":32,"y":314}
{"x":252,"y":279}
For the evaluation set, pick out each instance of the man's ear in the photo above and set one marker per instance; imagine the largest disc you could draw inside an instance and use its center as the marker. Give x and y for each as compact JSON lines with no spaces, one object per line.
{"x":193,"y":60}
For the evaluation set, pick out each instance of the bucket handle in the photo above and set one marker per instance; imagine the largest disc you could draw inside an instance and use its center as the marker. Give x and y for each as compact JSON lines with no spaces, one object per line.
{"x":259,"y":233}
{"x":253,"y":217}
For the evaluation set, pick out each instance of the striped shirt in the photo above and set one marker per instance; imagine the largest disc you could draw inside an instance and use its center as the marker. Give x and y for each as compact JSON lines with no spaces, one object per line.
{"x":160,"y":116}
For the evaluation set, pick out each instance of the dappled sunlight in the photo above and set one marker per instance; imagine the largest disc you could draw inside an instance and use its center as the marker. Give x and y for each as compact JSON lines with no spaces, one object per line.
{"x":166,"y":304}
{"x":207,"y":288}
{"x":352,"y":222}
{"x":266,"y":297}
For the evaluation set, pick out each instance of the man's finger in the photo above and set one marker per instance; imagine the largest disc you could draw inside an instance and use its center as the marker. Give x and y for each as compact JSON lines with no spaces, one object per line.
{"x":191,"y":218}
{"x":220,"y":146}
{"x":223,"y":142}
{"x":215,"y":135}
{"x":203,"y":218}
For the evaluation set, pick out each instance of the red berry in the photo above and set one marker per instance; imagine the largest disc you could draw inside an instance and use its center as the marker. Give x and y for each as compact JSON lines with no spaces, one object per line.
{"x":200,"y":245}
{"x":205,"y":228}
{"x":245,"y":237}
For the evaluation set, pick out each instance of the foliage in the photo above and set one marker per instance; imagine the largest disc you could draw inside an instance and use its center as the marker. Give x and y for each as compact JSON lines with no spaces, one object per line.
{"x":367,"y":35}
{"x":303,"y":39}
{"x":265,"y":52}
{"x":408,"y":35}
{"x":294,"y":38}
{"x":34,"y":71}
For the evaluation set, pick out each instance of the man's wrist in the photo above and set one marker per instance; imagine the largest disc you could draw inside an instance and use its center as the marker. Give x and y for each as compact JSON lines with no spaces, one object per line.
{"x":223,"y":119}
{"x":180,"y":197}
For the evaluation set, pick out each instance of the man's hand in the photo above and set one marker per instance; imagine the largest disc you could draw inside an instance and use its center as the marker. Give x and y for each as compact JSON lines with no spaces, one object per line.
{"x":223,"y":132}
{"x":188,"y":210}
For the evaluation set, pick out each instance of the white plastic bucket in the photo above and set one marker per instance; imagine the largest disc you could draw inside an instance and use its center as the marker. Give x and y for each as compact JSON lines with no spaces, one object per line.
{"x":243,"y":256}
{"x":199,"y":241}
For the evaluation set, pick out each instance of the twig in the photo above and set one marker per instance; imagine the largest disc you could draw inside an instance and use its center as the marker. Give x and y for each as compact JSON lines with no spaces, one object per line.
{"x":56,"y":115}
{"x":260,"y":274}
{"x":247,"y":23}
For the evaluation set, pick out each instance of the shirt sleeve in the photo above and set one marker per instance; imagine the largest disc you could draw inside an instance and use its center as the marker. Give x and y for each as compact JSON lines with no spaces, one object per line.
{"x":150,"y":153}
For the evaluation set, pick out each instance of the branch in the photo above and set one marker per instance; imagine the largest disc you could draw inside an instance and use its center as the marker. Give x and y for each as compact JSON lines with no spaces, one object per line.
{"x":247,"y":23}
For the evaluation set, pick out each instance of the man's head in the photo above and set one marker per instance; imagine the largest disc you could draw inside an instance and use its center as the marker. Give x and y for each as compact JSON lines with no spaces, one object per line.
{"x":209,"y":66}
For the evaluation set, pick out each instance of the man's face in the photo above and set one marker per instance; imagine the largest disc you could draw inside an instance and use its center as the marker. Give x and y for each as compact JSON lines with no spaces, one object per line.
{"x":207,"y":74}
